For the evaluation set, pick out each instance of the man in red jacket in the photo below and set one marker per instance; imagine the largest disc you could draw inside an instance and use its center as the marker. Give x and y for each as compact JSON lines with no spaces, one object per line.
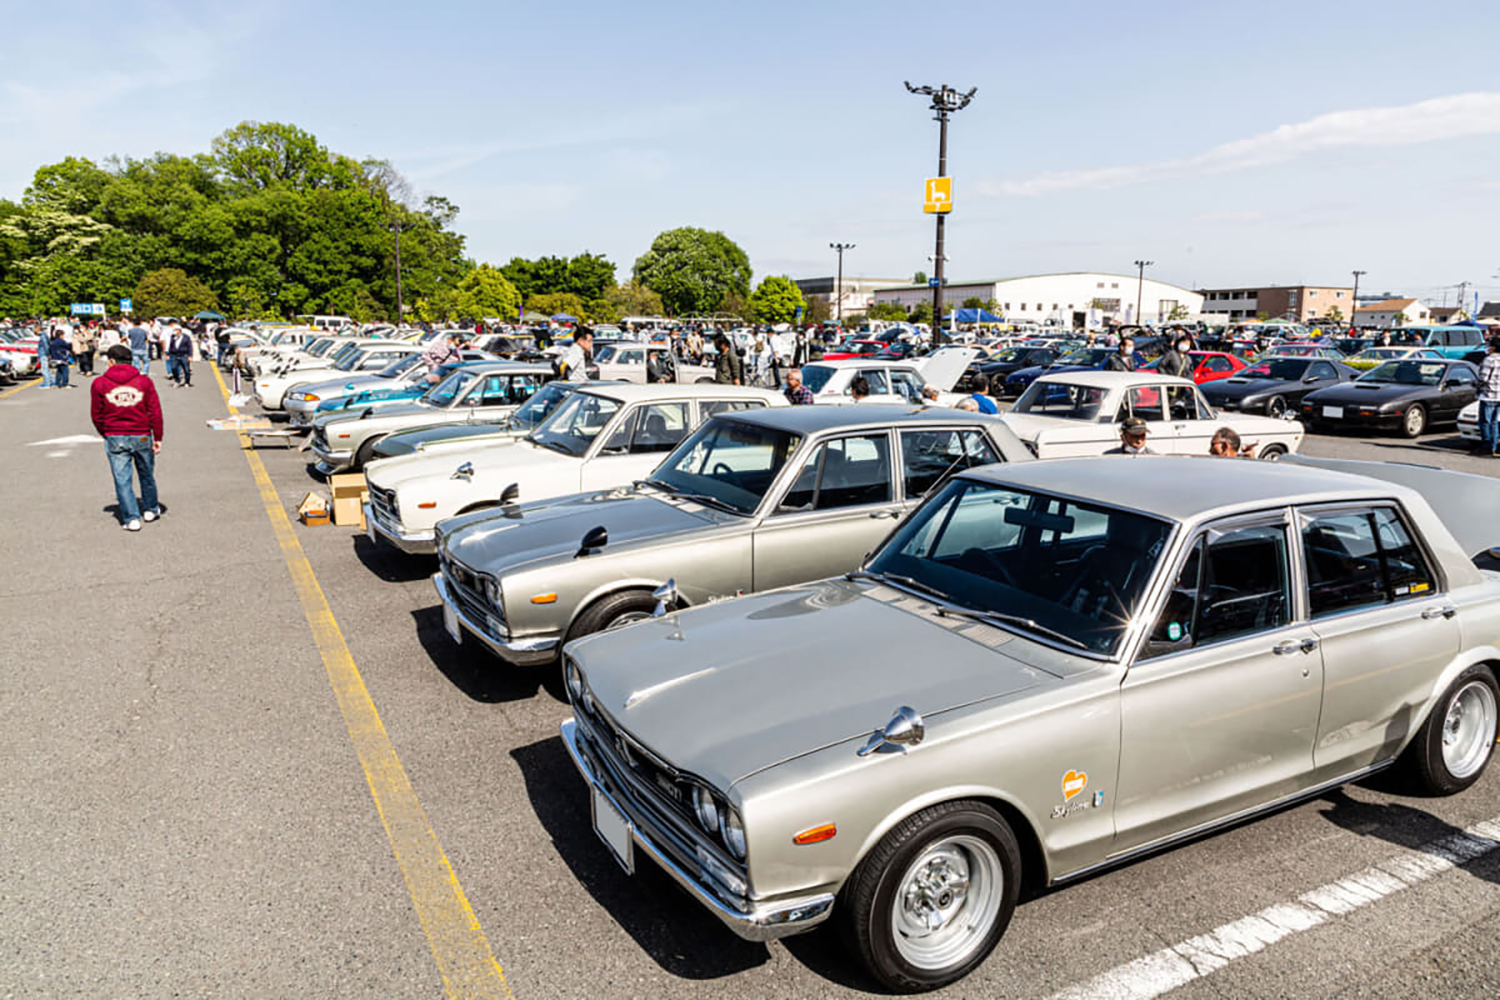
{"x":127,"y":413}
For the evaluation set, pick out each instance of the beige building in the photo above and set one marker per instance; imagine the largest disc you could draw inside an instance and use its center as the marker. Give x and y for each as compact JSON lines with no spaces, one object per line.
{"x":1299,"y":303}
{"x":1383,"y":315}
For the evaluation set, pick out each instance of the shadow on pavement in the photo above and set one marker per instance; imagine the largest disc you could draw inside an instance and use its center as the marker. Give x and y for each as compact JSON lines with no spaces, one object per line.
{"x":474,"y":671}
{"x":668,"y":925}
{"x":1403,"y":826}
{"x":392,"y":565}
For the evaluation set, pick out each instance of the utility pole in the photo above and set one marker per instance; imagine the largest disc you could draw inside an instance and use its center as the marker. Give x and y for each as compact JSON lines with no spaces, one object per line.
{"x":839,"y":288}
{"x":1354,"y":306}
{"x":1463,"y":286}
{"x":1140,"y":284}
{"x":400,"y":311}
{"x":945,"y":101}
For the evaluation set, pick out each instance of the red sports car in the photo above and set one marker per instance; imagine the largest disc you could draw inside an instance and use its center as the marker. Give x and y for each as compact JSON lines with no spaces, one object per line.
{"x":854,"y":349}
{"x":1210,"y":366}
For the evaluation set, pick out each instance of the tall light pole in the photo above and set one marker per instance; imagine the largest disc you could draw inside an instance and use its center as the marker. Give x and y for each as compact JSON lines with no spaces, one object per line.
{"x":839,"y":288}
{"x":400,"y":310}
{"x":1140,"y":284}
{"x":1354,"y":306}
{"x":945,"y":101}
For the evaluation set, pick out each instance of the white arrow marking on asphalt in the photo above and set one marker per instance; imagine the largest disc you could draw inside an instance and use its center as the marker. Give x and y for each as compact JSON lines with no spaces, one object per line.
{"x":71,"y":439}
{"x":1165,"y":970}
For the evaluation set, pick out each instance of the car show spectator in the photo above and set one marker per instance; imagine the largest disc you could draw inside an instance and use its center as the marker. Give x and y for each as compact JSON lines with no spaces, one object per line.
{"x":44,"y":357}
{"x":1123,"y":360}
{"x":1133,"y":433}
{"x":1489,"y":400}
{"x":442,"y":351}
{"x":859,"y":388}
{"x":575,"y":360}
{"x":180,"y":357}
{"x":59,"y":354}
{"x":980,"y":383}
{"x":728,"y":369}
{"x":1226,"y":444}
{"x":140,"y":345}
{"x":796,"y":393}
{"x":126,"y":412}
{"x":84,"y":339}
{"x":1175,"y":360}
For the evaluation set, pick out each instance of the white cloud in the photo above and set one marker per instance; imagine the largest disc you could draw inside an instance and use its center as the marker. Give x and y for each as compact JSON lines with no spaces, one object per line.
{"x":1436,"y":120}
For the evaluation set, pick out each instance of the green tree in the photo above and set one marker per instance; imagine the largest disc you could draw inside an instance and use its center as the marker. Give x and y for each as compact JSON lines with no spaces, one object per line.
{"x":887,"y":311}
{"x":1335,"y":315}
{"x":776,"y":300}
{"x":172,"y":292}
{"x":590,"y":276}
{"x":973,"y":302}
{"x":1179,"y":312}
{"x":634,"y":299}
{"x":920,"y":278}
{"x":920,"y":313}
{"x":693,"y":270}
{"x":736,"y":304}
{"x":818,"y":310}
{"x":558,"y":302}
{"x":484,"y":292}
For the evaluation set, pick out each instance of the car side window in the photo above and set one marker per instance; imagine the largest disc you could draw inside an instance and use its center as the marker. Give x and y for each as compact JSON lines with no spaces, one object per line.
{"x":618,"y":442}
{"x":1459,"y":375}
{"x":1182,"y":403}
{"x":907,"y":385}
{"x":661,"y":427}
{"x":876,"y":378}
{"x":1322,"y":370}
{"x":1144,"y":401}
{"x":709,"y":407}
{"x":845,"y":472}
{"x":495,"y":391}
{"x":1218,"y":364}
{"x":930,"y":456}
{"x":1234,"y":583}
{"x":1361,"y":558}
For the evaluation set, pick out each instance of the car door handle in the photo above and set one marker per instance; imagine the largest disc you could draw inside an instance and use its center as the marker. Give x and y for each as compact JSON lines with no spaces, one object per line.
{"x":885,"y":513}
{"x":1286,"y":647}
{"x":1443,"y":611}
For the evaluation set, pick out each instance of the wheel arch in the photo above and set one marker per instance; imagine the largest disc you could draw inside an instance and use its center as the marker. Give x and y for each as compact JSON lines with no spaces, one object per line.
{"x":610,"y":589}
{"x":1488,"y":656}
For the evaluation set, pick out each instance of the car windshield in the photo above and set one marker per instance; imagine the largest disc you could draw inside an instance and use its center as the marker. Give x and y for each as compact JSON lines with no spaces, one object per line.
{"x":1052,"y":567}
{"x":1277,"y":369}
{"x":400,"y":366}
{"x":1011,"y":354}
{"x":815,"y":377}
{"x":727,"y":464}
{"x":349,"y":360}
{"x":320,"y":347}
{"x":1407,"y":373}
{"x":574,"y":425}
{"x":1088,"y":357}
{"x":605,"y":355}
{"x":1379,"y":353}
{"x":1061,"y":399}
{"x":342,"y":354}
{"x":449,"y":389}
{"x":540,"y":405}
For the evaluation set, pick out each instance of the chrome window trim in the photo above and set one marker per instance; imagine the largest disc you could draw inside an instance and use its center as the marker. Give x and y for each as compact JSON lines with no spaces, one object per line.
{"x":1434,"y":566}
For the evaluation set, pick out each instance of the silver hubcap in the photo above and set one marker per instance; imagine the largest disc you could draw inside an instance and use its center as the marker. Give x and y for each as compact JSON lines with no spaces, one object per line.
{"x":1413,"y":420}
{"x":628,"y":618}
{"x":1469,"y":729}
{"x":1276,"y":407}
{"x":947,"y":902}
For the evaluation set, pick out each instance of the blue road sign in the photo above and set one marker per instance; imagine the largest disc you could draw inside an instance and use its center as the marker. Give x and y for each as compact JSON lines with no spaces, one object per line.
{"x":933,"y":282}
{"x":125,"y":305}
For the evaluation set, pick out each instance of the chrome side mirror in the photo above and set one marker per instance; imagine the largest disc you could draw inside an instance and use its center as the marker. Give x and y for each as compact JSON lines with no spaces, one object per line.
{"x":666,"y":598}
{"x":464,"y":472}
{"x":905,"y":729}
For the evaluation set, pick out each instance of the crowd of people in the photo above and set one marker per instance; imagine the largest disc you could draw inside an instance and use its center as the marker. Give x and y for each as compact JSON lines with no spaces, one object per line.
{"x":64,"y":345}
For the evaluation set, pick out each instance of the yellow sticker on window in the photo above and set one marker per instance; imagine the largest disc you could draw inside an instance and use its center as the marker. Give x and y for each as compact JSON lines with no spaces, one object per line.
{"x":1417,"y":588}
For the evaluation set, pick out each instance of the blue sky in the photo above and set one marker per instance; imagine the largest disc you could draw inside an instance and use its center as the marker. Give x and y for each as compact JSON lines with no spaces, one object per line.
{"x":1285,"y":142}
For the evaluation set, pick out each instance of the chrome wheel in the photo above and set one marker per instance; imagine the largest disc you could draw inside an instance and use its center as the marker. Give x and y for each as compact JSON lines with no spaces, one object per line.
{"x":1276,"y":407}
{"x":628,"y":618}
{"x":946,"y":902}
{"x":1414,"y":421}
{"x":1469,"y":729}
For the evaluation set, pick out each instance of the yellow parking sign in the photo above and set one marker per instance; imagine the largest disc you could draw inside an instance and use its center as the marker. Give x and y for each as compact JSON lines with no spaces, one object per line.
{"x":939,"y":195}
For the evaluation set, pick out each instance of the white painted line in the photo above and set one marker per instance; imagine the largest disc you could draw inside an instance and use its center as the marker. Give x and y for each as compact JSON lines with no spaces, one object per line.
{"x":1196,"y":957}
{"x":70,"y":439}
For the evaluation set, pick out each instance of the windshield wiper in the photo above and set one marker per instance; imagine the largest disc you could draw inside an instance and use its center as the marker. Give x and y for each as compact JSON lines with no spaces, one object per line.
{"x":702,"y":498}
{"x":554,"y":445}
{"x":988,"y":617}
{"x":905,"y":581}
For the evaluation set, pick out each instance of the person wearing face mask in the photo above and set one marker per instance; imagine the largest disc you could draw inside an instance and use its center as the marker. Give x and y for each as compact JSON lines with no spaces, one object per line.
{"x":1176,"y":361}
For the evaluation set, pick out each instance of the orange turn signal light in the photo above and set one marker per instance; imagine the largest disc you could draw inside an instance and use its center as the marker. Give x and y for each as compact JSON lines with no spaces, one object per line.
{"x":817,"y":834}
{"x":427,"y":506}
{"x":544,"y":599}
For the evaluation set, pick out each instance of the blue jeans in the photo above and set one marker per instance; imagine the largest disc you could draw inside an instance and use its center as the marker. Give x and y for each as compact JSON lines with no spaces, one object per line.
{"x":1489,"y":423}
{"x":179,"y":369}
{"x":62,"y":374}
{"x":142,"y":361}
{"x":45,"y":364}
{"x":129,"y":452}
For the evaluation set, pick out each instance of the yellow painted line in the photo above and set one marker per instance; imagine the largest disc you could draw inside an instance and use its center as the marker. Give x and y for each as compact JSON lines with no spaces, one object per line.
{"x":28,"y":385}
{"x":463,"y":955}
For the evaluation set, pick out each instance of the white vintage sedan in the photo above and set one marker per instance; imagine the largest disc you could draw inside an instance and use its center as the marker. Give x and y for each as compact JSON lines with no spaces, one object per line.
{"x":890,"y":381}
{"x":1076,"y":414}
{"x":600,"y":437}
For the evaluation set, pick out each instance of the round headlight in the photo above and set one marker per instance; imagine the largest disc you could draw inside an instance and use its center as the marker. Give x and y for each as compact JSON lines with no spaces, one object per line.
{"x":492,"y":590}
{"x":734,"y":833}
{"x":575,"y":681}
{"x":706,"y":809}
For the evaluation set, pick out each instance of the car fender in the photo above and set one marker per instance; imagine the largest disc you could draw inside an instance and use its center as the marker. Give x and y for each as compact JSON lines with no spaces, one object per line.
{"x":953,"y":793}
{"x":1462,"y":661}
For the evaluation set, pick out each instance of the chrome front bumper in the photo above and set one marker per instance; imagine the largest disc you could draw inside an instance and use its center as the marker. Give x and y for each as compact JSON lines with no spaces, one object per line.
{"x":415,"y":543}
{"x":332,"y":461}
{"x":527,"y":652}
{"x":753,"y":922}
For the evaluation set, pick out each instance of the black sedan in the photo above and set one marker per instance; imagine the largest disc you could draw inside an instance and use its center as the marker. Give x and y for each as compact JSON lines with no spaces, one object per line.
{"x":1275,"y":385}
{"x":1406,"y":395}
{"x":1010,"y":360}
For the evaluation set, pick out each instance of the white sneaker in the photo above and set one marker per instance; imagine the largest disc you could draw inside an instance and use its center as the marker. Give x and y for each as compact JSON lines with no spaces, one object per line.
{"x":132,"y":526}
{"x":149,"y":516}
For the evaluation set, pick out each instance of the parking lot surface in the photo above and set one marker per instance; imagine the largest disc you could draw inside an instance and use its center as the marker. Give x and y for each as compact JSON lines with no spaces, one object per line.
{"x":195,"y":801}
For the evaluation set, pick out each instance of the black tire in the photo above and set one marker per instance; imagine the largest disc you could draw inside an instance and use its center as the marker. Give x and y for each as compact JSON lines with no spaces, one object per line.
{"x":867,"y":901}
{"x":1271,"y":452}
{"x":704,"y":380}
{"x":1413,"y":421}
{"x":365,"y":455}
{"x":612,"y":611}
{"x":1424,"y":761}
{"x":1276,"y":406}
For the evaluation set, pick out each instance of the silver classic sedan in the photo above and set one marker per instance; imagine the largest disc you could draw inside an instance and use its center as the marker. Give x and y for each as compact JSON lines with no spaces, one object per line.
{"x":1048,"y":668}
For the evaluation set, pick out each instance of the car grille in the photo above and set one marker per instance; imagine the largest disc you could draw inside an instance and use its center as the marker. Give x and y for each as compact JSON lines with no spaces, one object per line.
{"x":385,"y":504}
{"x":320,"y":438}
{"x":467,"y":588}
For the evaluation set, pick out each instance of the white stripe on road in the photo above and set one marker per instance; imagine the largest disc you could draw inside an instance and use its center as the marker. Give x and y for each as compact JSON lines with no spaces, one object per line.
{"x":1199,"y":956}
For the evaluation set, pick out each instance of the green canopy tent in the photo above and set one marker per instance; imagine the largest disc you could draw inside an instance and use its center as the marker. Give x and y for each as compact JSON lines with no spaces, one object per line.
{"x":209,"y":314}
{"x":535,"y":317}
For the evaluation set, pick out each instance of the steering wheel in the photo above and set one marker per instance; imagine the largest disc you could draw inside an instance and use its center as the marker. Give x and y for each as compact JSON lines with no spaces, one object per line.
{"x":722,"y":467}
{"x":996,"y":564}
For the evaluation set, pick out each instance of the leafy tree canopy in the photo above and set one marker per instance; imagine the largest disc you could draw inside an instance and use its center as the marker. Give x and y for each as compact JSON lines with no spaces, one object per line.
{"x":776,"y":300}
{"x":633,"y":299}
{"x":888,"y":311}
{"x":588,"y":276}
{"x":171,"y":292}
{"x":559,"y":302}
{"x":693,"y":270}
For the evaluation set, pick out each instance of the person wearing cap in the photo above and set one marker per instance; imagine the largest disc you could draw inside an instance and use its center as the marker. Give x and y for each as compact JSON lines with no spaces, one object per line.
{"x":1132,"y":438}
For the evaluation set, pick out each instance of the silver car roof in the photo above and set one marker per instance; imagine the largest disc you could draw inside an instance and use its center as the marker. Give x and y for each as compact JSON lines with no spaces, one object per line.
{"x":1187,"y":487}
{"x":807,"y":420}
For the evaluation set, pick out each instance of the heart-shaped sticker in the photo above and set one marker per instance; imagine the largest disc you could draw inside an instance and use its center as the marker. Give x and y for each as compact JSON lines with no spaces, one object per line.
{"x":1073,"y":783}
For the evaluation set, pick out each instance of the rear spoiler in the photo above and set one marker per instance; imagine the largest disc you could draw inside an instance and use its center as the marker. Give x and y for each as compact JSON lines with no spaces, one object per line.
{"x":1466,"y":504}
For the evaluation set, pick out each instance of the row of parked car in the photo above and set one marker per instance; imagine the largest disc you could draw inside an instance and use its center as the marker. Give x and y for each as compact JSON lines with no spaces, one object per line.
{"x":883,"y":664}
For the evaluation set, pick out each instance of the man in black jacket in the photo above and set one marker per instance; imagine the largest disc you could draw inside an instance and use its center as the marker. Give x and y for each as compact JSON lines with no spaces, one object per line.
{"x":728,"y":369}
{"x":1124,"y":359}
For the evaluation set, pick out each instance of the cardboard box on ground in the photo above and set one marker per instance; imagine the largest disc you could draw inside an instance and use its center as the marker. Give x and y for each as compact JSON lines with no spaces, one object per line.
{"x":349,"y":494}
{"x":313,"y":510}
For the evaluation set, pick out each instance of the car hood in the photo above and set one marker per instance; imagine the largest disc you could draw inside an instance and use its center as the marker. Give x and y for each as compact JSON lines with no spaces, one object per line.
{"x":1028,"y":427}
{"x":486,"y":540}
{"x":730,"y":689}
{"x":335,"y":387}
{"x":1368,"y":393}
{"x":389,"y":410}
{"x":406,"y":442}
{"x":513,"y":454}
{"x":1239,"y":388}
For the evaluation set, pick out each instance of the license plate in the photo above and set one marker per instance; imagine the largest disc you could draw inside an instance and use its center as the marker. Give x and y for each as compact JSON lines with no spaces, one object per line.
{"x":1334,"y":412}
{"x":450,"y":622}
{"x":614,"y":830}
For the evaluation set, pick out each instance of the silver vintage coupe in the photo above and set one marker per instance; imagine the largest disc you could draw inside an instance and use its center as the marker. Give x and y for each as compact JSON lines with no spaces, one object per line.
{"x":1048,"y":668}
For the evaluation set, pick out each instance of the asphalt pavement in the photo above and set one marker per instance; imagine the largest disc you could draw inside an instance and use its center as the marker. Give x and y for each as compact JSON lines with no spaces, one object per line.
{"x":188,"y":808}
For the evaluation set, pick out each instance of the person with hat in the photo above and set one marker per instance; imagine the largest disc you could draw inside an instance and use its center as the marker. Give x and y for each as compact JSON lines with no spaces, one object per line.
{"x":1489,"y":400}
{"x":1132,"y":438}
{"x":126,"y":412}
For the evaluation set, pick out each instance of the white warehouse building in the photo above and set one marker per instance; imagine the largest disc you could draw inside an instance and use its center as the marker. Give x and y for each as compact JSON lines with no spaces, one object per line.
{"x":1077,"y":299}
